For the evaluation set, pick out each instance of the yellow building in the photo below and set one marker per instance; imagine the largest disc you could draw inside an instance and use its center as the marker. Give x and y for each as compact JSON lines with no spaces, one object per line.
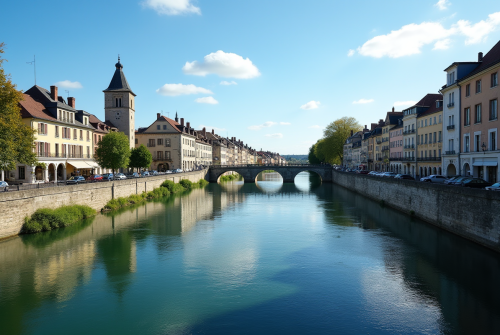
{"x":429,"y":140}
{"x":63,"y":138}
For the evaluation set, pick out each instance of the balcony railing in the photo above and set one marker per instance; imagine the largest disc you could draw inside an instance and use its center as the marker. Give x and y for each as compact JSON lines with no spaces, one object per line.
{"x":61,"y":155}
{"x":451,"y":152}
{"x":395,"y":159}
{"x":429,"y":159}
{"x":408,"y":159}
{"x":451,"y":104}
{"x":409,"y":131}
{"x":451,"y":127}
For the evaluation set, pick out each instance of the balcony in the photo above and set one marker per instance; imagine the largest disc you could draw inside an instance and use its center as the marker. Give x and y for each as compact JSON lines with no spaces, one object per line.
{"x":429,"y":159}
{"x":408,"y":159}
{"x":451,"y":127}
{"x":62,"y":155}
{"x":451,"y":104}
{"x":451,"y":152}
{"x":385,"y":148}
{"x":379,"y":141}
{"x":410,"y":131}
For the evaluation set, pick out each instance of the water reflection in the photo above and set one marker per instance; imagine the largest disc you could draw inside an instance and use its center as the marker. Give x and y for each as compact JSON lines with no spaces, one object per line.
{"x":299,"y":257}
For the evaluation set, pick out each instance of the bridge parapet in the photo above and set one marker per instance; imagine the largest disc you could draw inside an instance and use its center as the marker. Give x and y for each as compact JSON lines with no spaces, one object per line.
{"x":249,"y":172}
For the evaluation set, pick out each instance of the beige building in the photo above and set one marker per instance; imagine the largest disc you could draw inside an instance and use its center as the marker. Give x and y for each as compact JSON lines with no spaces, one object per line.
{"x":430,"y":140}
{"x":172,"y":144}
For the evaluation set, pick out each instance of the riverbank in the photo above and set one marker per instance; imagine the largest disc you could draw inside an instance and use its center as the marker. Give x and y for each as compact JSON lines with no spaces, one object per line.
{"x":470,"y":213}
{"x":15,"y":206}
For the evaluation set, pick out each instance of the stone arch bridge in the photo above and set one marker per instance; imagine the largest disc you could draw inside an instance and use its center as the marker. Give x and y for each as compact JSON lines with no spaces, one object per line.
{"x":288,"y":172}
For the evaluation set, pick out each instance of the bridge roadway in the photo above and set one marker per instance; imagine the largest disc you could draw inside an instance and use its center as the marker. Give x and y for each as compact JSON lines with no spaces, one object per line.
{"x":288,"y":172}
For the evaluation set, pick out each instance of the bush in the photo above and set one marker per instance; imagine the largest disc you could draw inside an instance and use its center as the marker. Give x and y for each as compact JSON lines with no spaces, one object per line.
{"x":202,"y":183}
{"x":187,"y":184}
{"x":135,"y":199}
{"x":172,"y":187}
{"x":46,"y":219}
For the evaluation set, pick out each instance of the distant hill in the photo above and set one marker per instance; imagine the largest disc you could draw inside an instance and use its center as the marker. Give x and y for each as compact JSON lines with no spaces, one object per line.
{"x":301,"y":159}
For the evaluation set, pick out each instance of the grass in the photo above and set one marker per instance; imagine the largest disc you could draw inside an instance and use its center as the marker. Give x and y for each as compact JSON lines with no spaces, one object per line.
{"x":230,"y":177}
{"x":45,"y":219}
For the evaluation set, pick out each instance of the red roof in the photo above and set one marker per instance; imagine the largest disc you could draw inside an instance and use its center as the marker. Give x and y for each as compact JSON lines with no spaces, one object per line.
{"x":32,"y":108}
{"x":490,"y":59}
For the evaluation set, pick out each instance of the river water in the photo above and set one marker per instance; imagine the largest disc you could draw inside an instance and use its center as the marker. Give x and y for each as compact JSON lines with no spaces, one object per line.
{"x":264,"y":258}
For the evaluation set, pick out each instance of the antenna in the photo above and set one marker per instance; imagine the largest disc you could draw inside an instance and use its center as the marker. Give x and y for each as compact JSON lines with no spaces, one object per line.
{"x":67,"y":92}
{"x":168,"y":114}
{"x":34,"y":66}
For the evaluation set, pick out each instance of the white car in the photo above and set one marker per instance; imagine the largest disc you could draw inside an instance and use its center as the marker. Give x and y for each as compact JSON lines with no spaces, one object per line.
{"x":433,"y":178}
{"x":178,"y":170}
{"x":120,"y":176}
{"x":168,"y":171}
{"x":494,"y":187}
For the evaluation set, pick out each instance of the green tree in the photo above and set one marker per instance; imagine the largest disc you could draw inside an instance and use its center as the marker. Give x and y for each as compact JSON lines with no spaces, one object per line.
{"x":16,"y":138}
{"x":312,"y":156}
{"x":335,"y":135}
{"x":140,"y":157}
{"x":113,"y":152}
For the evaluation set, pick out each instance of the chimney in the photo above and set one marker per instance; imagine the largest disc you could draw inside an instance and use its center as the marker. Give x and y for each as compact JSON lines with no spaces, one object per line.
{"x":393,"y":109}
{"x":53,"y":92}
{"x":158,"y":116}
{"x":213,"y":132}
{"x":479,"y":58}
{"x":71,"y":102}
{"x":182,"y":121}
{"x":187,"y":125}
{"x":204,"y":132}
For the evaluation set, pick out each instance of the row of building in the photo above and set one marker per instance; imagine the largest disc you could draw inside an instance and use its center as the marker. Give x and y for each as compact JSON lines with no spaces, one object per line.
{"x":454,"y":132}
{"x":67,"y":137}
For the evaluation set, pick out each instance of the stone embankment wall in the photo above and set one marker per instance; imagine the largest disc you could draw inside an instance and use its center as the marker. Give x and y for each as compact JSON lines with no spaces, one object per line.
{"x":15,"y":206}
{"x":470,"y":213}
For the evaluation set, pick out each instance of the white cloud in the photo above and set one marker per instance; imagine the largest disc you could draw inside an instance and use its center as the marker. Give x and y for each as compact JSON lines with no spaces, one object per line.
{"x":285,"y":123}
{"x":227,"y":83}
{"x":172,"y":7}
{"x":410,"y":39}
{"x":69,"y":84}
{"x":223,"y":64}
{"x":264,"y":125}
{"x":363,"y":101}
{"x":311,"y":105}
{"x":477,"y":33}
{"x":404,"y":103}
{"x":276,"y":135}
{"x":315,"y":127}
{"x":207,"y":100}
{"x":442,"y":4}
{"x":173,"y":90}
{"x":209,"y":128}
{"x":351,"y":52}
{"x":442,"y":45}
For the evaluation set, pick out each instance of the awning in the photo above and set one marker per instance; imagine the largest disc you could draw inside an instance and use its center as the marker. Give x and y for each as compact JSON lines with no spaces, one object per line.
{"x":485,"y":162}
{"x":92,"y":164}
{"x":79,"y":164}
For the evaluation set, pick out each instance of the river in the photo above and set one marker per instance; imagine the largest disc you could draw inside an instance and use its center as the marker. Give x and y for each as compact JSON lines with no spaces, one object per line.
{"x":264,"y":258}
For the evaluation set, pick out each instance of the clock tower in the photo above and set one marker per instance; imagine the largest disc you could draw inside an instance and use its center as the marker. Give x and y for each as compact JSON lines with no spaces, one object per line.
{"x":119,"y":104}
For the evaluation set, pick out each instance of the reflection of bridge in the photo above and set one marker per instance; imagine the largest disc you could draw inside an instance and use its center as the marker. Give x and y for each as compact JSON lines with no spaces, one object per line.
{"x":288,"y":172}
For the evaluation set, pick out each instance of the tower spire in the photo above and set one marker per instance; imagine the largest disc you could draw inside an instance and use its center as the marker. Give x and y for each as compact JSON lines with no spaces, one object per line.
{"x":176,"y":118}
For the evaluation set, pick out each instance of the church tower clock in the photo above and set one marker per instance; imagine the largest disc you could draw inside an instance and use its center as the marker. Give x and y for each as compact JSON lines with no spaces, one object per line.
{"x":119,"y":104}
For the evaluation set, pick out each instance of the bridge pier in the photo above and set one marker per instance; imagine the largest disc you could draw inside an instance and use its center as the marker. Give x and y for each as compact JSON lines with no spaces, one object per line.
{"x":288,"y":172}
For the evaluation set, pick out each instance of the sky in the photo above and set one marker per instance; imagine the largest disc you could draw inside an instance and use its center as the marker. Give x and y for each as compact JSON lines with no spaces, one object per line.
{"x":270,"y":73}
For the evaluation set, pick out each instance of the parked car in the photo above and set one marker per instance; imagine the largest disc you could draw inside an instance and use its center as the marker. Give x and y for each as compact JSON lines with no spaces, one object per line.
{"x":458,"y":180}
{"x":120,"y":176}
{"x":450,"y":180}
{"x":4,"y":186}
{"x":107,"y":176}
{"x":144,"y":174}
{"x":475,"y":183}
{"x":178,"y":170}
{"x":75,"y":180}
{"x":388,"y":174}
{"x":168,"y":171}
{"x":494,"y":187}
{"x":153,"y":173}
{"x":134,"y":175}
{"x":404,"y":176}
{"x":362,"y":172}
{"x":95,"y":177}
{"x":433,"y":178}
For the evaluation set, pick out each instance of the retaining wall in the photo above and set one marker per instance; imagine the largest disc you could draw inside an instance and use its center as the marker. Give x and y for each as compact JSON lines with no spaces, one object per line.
{"x":15,"y":206}
{"x":470,"y":213}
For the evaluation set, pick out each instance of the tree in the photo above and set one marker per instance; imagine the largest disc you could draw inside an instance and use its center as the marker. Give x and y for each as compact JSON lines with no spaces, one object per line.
{"x":113,"y":152}
{"x":335,"y":135}
{"x":16,"y":138}
{"x":140,"y":157}
{"x":313,"y":159}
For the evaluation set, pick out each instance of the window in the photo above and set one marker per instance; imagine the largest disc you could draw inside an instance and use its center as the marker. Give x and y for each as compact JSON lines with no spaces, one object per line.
{"x":158,"y":127}
{"x":118,"y":102}
{"x":57,"y":131}
{"x":466,"y":143}
{"x":159,"y":155}
{"x":467,"y":90}
{"x":167,"y":142}
{"x":493,"y":109}
{"x":164,"y":127}
{"x":151,"y":143}
{"x":136,"y":141}
{"x":159,"y":141}
{"x":434,"y":120}
{"x":467,"y":116}
{"x":439,"y":138}
{"x":450,"y":145}
{"x":439,"y":118}
{"x":493,"y":140}
{"x":434,"y":137}
{"x":426,"y":122}
{"x":478,"y":86}
{"x":494,"y":79}
{"x":81,"y":135}
{"x":477,"y":141}
{"x":75,"y":136}
{"x":478,"y":113}
{"x":425,"y":139}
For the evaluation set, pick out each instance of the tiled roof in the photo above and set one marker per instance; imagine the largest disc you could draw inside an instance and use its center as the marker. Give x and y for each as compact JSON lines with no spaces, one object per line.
{"x":42,"y":95}
{"x":428,"y":100}
{"x":119,"y":82}
{"x":394,"y":117}
{"x":490,"y":59}
{"x":432,"y":109}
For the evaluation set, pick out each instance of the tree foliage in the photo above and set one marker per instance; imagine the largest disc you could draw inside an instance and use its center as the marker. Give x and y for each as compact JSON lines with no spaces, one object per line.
{"x":16,"y":138}
{"x":330,"y":149}
{"x":113,"y":152}
{"x":312,"y":156}
{"x":140,"y":157}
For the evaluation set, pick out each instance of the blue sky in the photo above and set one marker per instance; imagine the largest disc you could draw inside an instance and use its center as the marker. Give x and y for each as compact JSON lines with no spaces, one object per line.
{"x":293,"y":66}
